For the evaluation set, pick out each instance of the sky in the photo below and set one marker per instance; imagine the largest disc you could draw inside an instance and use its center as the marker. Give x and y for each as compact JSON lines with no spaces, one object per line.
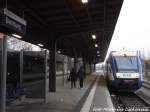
{"x":132,"y":31}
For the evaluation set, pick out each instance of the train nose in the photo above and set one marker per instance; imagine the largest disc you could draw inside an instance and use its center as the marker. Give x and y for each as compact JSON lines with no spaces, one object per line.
{"x":128,"y":84}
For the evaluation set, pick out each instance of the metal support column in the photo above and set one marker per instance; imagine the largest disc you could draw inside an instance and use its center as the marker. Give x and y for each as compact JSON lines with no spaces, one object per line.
{"x":64,"y":62}
{"x":46,"y":76}
{"x":75,"y":60}
{"x":21,"y":67}
{"x":52,"y":69}
{"x":84,"y":66}
{"x":104,"y":20}
{"x":3,"y":76}
{"x":90,"y":68}
{"x":94,"y":68}
{"x":75,"y":64}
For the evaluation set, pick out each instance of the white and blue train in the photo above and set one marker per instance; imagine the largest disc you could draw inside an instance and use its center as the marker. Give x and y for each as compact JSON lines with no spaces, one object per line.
{"x":124,"y":71}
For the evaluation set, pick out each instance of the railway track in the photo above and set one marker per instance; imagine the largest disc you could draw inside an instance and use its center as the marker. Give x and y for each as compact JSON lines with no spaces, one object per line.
{"x":146,"y":85}
{"x":129,"y":102}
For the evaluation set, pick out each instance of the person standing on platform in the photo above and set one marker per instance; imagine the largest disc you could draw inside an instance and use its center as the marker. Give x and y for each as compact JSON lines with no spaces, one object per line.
{"x":81,"y":76}
{"x":73,"y":78}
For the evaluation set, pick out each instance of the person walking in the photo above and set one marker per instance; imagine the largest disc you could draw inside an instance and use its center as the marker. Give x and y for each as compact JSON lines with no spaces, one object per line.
{"x":81,"y":76}
{"x":73,"y":78}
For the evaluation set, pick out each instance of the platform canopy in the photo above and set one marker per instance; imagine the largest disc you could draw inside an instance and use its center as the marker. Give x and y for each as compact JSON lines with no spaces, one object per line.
{"x":71,"y":23}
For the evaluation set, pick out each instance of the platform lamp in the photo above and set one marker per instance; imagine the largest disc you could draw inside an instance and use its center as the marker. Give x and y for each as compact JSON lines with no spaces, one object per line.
{"x":96,"y":45}
{"x":17,"y":36}
{"x":93,"y":37}
{"x":84,"y":1}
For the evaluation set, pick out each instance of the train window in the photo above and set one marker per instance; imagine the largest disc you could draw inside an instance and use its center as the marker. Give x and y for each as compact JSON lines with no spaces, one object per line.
{"x":33,"y":64}
{"x":126,"y":63}
{"x":13,"y":64}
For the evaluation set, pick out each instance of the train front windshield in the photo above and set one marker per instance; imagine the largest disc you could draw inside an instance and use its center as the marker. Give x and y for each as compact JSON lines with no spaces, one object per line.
{"x":126,"y":64}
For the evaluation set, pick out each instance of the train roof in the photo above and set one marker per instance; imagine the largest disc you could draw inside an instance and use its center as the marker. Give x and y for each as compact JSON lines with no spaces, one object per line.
{"x":124,"y":53}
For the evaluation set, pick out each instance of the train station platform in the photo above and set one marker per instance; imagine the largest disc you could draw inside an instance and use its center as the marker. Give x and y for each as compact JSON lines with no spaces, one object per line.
{"x":93,"y":97}
{"x":100,"y":101}
{"x":64,"y":99}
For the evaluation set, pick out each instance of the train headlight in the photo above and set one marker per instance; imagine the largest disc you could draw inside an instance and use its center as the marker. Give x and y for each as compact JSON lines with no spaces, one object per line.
{"x":136,"y":75}
{"x":119,"y":75}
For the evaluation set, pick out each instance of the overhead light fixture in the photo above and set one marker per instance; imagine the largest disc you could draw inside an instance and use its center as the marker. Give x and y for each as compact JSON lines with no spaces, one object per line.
{"x":41,"y":45}
{"x":96,"y":45}
{"x":84,"y":1}
{"x":58,"y":52}
{"x":93,"y":37}
{"x":17,"y":36}
{"x":98,"y":52}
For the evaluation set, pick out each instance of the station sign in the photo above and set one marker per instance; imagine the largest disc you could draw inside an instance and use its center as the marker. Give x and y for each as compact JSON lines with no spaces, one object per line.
{"x":11,"y":23}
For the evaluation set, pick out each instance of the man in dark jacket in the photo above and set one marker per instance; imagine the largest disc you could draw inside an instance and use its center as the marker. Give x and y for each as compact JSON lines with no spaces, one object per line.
{"x":81,"y":76}
{"x":73,"y":78}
